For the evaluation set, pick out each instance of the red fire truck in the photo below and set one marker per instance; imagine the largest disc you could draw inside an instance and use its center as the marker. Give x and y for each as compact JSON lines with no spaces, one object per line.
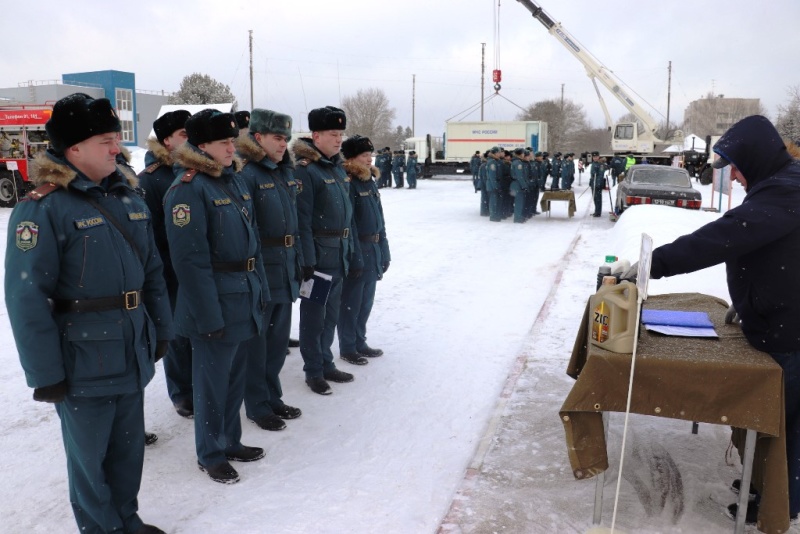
{"x":22,"y":135}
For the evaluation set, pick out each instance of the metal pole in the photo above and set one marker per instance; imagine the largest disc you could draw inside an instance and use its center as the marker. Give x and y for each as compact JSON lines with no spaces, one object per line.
{"x":251,"y":69}
{"x":483,"y":72}
{"x":413,"y":104}
{"x":669,"y":94}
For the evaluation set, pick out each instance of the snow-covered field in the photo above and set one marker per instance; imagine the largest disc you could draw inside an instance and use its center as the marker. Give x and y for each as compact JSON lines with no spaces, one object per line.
{"x":477,"y":321}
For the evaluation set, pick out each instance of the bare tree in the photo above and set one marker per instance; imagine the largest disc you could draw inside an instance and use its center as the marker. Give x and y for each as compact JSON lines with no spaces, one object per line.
{"x":564,"y":122}
{"x":368,"y":114}
{"x":202,"y":89}
{"x":788,"y":123}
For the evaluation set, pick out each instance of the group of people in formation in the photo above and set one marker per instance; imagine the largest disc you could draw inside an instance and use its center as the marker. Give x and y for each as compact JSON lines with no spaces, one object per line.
{"x":396,"y":165}
{"x":197,"y":260}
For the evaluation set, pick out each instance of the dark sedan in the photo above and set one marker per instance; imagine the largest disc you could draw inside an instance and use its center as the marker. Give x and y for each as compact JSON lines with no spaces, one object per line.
{"x":659,"y":185}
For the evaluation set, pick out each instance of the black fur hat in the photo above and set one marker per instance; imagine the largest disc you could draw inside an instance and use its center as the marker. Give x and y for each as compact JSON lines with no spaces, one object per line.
{"x":78,"y":117}
{"x":169,"y":123}
{"x":327,"y":118}
{"x":210,"y":125}
{"x":242,"y":119}
{"x":358,"y":144}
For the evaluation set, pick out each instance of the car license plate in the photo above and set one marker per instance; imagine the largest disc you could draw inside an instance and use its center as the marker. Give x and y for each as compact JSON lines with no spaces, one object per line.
{"x":663,"y":202}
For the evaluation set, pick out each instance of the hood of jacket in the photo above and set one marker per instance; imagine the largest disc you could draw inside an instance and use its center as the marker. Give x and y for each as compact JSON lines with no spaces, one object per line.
{"x":249,"y":149}
{"x":157,"y":153}
{"x":189,"y":156}
{"x":360,"y":171}
{"x":46,"y":167}
{"x":755,"y":147}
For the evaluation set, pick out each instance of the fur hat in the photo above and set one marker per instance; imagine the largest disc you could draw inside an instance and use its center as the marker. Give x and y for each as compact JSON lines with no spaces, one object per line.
{"x":169,"y":123}
{"x":327,"y":118}
{"x":268,"y":121}
{"x":358,"y":144}
{"x":210,"y":125}
{"x":242,"y":119}
{"x":78,"y":117}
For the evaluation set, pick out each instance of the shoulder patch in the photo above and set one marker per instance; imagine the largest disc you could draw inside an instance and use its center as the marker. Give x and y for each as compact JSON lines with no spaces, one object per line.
{"x":27,"y":235}
{"x":188,"y":176}
{"x":181,"y":215}
{"x":42,"y":191}
{"x":152,"y":167}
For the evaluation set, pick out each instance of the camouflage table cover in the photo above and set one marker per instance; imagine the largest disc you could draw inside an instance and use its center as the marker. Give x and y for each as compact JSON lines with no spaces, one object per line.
{"x":721,"y":381}
{"x":549,"y":196}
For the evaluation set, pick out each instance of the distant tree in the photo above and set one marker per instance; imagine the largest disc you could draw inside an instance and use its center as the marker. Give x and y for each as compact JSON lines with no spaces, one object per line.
{"x":369,"y":114}
{"x":399,"y":137}
{"x":202,"y":89}
{"x":788,"y":123}
{"x":591,"y":139}
{"x":564,"y":122}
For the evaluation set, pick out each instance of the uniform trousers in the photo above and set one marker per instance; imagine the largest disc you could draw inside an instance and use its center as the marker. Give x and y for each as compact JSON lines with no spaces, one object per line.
{"x":266,"y":354}
{"x":104,"y":445}
{"x":178,"y":369}
{"x":317,"y":327}
{"x":358,"y":296}
{"x":218,"y":372}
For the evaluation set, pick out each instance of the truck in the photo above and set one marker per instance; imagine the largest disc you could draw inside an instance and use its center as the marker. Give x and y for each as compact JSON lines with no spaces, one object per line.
{"x":451,"y":153}
{"x":22,"y":136}
{"x":638,"y":137}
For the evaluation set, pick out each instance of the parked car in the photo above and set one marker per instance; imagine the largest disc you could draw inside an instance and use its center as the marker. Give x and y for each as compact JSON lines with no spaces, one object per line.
{"x":656,"y":184}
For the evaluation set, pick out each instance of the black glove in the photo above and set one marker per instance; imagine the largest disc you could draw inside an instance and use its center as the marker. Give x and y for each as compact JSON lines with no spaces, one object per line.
{"x":631,"y":274}
{"x":731,"y":316}
{"x":385,"y":266}
{"x":161,"y":348}
{"x":355,"y":274}
{"x":308,"y":272}
{"x":216,"y":334}
{"x":53,"y":393}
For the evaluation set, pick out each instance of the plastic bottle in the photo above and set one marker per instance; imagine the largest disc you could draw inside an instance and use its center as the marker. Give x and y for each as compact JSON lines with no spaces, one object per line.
{"x":604,"y":270}
{"x":613,"y":321}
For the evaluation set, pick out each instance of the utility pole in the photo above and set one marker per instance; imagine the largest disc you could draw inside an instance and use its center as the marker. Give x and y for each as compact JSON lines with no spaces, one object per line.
{"x":669,"y":93}
{"x":483,"y":72}
{"x":251,"y":68}
{"x":413,"y":104}
{"x":562,"y":98}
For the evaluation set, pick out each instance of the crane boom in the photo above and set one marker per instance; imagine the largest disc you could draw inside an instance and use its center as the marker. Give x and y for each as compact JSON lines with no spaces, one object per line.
{"x":646,"y":129}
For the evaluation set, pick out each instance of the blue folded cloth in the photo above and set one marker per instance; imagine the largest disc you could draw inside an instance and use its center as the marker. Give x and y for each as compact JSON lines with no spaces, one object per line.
{"x":677,"y":318}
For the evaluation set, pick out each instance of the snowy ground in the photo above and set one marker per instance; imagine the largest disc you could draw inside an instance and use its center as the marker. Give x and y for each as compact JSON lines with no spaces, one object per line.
{"x":477,"y":321}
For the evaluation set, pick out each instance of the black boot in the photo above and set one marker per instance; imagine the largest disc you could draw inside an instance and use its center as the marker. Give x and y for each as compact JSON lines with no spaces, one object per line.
{"x":185,"y":408}
{"x":294,"y":342}
{"x":245,"y":454}
{"x":354,"y":358}
{"x":287,"y":412}
{"x":336,"y":375}
{"x":269,"y":422}
{"x":150,"y":438}
{"x":319,"y":385}
{"x":369,"y":352}
{"x":223,"y":472}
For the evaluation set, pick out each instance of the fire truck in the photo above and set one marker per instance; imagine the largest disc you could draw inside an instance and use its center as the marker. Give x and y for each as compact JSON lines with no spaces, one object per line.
{"x":22,"y":136}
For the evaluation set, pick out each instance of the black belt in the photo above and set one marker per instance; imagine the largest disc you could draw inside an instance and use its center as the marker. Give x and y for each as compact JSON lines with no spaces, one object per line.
{"x":234,"y":266}
{"x":129,"y":300}
{"x":285,"y":241}
{"x":344,"y":234}
{"x":369,"y":238}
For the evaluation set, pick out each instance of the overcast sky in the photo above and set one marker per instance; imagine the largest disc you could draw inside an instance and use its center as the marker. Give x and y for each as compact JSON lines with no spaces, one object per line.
{"x":310,"y":53}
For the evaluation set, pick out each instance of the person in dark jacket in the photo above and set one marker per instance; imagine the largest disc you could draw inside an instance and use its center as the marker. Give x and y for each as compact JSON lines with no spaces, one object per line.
{"x":759,"y":242}
{"x":386,"y":168}
{"x":555,"y":171}
{"x":379,"y":158}
{"x":222,"y":289}
{"x":155,"y":180}
{"x":398,"y":167}
{"x":597,"y":182}
{"x":371,"y":257}
{"x":242,"y":121}
{"x":87,"y":303}
{"x":474,"y":166}
{"x":269,"y":175}
{"x":411,"y":170}
{"x":493,"y":172}
{"x":519,"y":184}
{"x":481,"y":185}
{"x":325,"y":217}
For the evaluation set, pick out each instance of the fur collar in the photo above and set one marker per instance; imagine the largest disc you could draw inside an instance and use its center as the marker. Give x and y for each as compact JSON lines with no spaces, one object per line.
{"x":46,"y":168}
{"x":303,"y":148}
{"x":160,"y":152}
{"x":249,"y":149}
{"x":793,"y":150}
{"x":191,"y":158}
{"x":360,"y":171}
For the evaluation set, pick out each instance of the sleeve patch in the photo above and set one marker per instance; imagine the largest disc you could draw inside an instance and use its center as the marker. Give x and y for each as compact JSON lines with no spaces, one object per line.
{"x":27,"y":235}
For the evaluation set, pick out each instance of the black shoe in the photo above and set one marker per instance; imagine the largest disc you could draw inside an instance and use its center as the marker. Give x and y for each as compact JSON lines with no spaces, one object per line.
{"x":595,"y":215}
{"x":246,"y":454}
{"x":336,"y":375}
{"x":185,"y":408}
{"x":223,"y":473}
{"x":287,"y":412}
{"x":150,"y":438}
{"x":354,"y":358}
{"x":269,"y":422}
{"x":288,"y":352}
{"x":750,"y":517}
{"x":294,"y":342}
{"x":149,"y":529}
{"x":369,"y":352}
{"x":737,"y":485}
{"x":319,"y":385}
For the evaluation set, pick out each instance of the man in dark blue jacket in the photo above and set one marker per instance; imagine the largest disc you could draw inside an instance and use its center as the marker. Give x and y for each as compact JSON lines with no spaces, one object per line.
{"x":597,"y":182}
{"x":325,"y":217}
{"x":398,"y":168}
{"x":474,"y":167}
{"x":155,"y":180}
{"x":370,"y":255}
{"x":269,"y":174}
{"x":386,"y":168}
{"x":87,"y":301}
{"x":759,"y":242}
{"x":222,"y":288}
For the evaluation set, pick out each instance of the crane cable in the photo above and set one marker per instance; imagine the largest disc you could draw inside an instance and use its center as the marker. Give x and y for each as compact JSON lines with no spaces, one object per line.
{"x":496,"y":73}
